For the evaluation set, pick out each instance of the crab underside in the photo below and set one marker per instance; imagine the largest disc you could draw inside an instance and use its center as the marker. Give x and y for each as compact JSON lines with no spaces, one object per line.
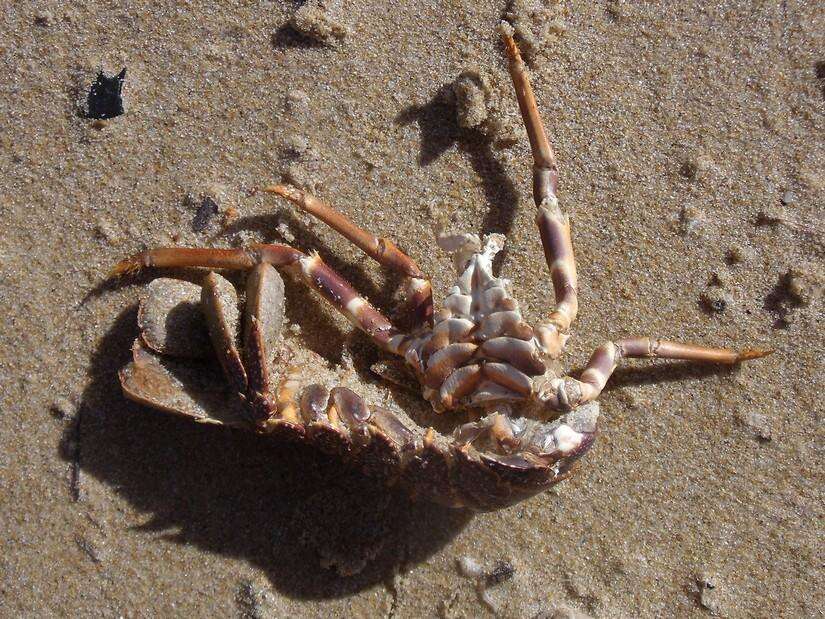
{"x":519,"y":424}
{"x":186,"y":328}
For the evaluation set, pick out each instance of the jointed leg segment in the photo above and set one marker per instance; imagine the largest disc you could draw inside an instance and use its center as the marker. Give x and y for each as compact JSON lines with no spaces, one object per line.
{"x":553,"y":224}
{"x":332,"y":286}
{"x":554,"y":228}
{"x":418,"y":293}
{"x":606,"y":358}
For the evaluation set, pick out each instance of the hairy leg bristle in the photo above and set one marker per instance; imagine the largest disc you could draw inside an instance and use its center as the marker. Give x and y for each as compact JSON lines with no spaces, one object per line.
{"x":126,"y":267}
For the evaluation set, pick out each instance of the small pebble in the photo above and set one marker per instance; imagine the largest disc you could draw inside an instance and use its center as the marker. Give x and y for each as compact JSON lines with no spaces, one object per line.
{"x":207,"y":209}
{"x":716,"y":300}
{"x":320,"y":21}
{"x":230,"y":215}
{"x":720,"y":279}
{"x":470,"y":568}
{"x":631,"y":396}
{"x":246,"y":600}
{"x":297,"y":101}
{"x":471,"y":91}
{"x":105,"y":99}
{"x":697,"y":167}
{"x":254,"y":599}
{"x":739,"y":254}
{"x":244,"y":238}
{"x":107,"y":233}
{"x":43,"y":19}
{"x":758,"y":423}
{"x":804,"y":284}
{"x":708,"y":592}
{"x":295,"y":146}
{"x":692,"y":221}
{"x":616,"y":9}
{"x":771,"y":216}
{"x":304,"y":165}
{"x":562,"y":612}
{"x":788,"y":198}
{"x":501,"y":572}
{"x":63,"y":408}
{"x":536,"y":25}
{"x":285,"y":232}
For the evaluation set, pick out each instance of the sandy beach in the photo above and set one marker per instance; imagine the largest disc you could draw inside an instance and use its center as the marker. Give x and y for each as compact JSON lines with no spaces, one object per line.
{"x":692,"y":163}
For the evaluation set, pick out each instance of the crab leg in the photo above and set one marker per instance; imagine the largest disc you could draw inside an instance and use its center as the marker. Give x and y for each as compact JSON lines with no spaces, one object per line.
{"x":553,"y":224}
{"x":571,"y":392}
{"x":417,"y":289}
{"x":332,"y":286}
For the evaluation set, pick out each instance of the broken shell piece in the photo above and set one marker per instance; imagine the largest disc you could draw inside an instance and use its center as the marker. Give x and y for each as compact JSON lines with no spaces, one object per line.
{"x":460,"y":246}
{"x":180,"y":388}
{"x":220,"y":307}
{"x":170,"y":319}
{"x":264,"y":318}
{"x":470,"y":568}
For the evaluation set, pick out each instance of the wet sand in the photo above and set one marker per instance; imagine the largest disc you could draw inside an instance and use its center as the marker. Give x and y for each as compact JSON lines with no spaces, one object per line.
{"x":689,"y":139}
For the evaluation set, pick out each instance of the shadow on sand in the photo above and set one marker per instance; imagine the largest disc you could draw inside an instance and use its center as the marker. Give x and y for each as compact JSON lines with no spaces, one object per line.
{"x":440,"y":131}
{"x":282,"y":507}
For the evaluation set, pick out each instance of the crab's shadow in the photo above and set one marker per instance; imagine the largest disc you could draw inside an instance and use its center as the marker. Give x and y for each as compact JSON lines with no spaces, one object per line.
{"x":440,"y":131}
{"x":279,"y":506}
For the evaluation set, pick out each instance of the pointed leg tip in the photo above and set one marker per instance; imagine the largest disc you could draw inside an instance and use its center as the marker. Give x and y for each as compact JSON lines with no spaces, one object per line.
{"x":505,"y":30}
{"x":285,"y":191}
{"x":274,"y":189}
{"x":754,"y":353}
{"x":130,"y":266}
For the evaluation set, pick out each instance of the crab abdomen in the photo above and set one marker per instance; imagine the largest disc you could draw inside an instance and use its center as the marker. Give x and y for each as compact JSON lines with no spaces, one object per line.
{"x":475,"y":467}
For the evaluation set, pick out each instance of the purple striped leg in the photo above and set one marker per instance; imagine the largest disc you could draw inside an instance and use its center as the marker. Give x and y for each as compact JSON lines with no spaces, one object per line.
{"x":566,"y":393}
{"x":417,"y":290}
{"x":320,"y":277}
{"x":553,"y":224}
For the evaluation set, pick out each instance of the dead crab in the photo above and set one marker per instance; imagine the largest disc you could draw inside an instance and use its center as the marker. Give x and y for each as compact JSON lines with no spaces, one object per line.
{"x":529,"y":423}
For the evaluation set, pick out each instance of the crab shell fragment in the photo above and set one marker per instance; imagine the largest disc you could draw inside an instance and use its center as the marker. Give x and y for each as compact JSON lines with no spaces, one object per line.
{"x":252,"y":387}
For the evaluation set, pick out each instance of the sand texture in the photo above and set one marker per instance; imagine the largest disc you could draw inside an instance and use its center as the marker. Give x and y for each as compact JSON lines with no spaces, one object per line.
{"x":690,"y":143}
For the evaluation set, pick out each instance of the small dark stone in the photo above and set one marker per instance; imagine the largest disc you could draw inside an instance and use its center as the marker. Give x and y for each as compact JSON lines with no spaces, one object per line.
{"x":501,"y":572}
{"x":206,"y":211}
{"x":716,"y":300}
{"x":43,"y":19}
{"x":770,"y":217}
{"x":105,"y":99}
